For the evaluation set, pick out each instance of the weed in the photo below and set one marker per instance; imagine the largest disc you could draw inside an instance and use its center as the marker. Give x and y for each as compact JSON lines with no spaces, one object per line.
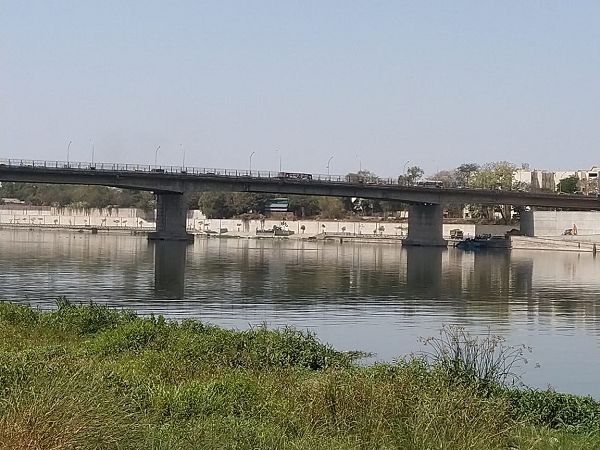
{"x":465,"y":358}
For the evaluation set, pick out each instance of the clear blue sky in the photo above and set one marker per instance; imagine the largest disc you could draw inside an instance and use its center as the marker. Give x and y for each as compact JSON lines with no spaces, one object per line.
{"x":436,"y":83}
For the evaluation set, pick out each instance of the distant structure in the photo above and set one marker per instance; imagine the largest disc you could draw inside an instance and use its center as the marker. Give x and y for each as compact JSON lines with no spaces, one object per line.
{"x":277,"y":205}
{"x":542,"y":180}
{"x":11,"y":201}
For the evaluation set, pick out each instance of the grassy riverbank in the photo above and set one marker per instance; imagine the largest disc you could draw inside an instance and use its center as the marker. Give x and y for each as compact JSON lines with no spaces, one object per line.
{"x":91,"y":377}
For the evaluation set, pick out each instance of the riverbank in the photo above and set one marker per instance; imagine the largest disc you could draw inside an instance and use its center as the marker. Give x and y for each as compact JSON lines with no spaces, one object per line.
{"x":95,"y":377}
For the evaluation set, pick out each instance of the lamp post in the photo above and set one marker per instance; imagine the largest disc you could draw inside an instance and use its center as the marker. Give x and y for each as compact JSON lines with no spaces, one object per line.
{"x":359,"y":163}
{"x":92,"y":145}
{"x":404,"y":176}
{"x":329,"y":161}
{"x":182,"y":156}
{"x":156,"y":155}
{"x":279,"y":153}
{"x":404,"y":167}
{"x":68,"y":151}
{"x":251,"y":155}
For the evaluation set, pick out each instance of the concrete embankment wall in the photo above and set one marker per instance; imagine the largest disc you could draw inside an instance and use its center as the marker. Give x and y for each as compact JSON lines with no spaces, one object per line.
{"x":554,"y":223}
{"x":92,"y":217}
{"x":139,"y":219}
{"x":589,"y":243}
{"x":313,"y":227}
{"x":84,"y":217}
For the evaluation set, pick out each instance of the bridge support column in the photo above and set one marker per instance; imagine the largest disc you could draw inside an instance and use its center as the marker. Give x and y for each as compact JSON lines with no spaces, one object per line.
{"x":171,"y":218}
{"x":425,"y":226}
{"x":527,"y":222}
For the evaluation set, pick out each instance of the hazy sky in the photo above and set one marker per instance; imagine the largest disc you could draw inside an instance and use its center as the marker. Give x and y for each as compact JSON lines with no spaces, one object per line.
{"x":373,"y":83}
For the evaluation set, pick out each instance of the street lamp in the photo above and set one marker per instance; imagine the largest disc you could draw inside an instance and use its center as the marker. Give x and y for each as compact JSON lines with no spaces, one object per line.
{"x":328,"y":161}
{"x":156,"y":155}
{"x":404,"y":167}
{"x":251,"y":155}
{"x":279,"y":153}
{"x":182,"y":155}
{"x":68,"y":150}
{"x":359,"y":162}
{"x":92,"y":144}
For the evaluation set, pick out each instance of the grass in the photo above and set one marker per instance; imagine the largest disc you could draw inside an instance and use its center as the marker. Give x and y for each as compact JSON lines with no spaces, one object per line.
{"x":91,"y":377}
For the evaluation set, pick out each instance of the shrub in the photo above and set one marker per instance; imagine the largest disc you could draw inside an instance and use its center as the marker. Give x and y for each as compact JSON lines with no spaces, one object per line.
{"x":463,"y":358}
{"x":84,"y":319}
{"x":18,"y":315}
{"x":554,"y":409}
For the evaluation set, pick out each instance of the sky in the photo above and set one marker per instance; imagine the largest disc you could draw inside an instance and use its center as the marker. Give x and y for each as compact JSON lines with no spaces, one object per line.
{"x":377,"y":85}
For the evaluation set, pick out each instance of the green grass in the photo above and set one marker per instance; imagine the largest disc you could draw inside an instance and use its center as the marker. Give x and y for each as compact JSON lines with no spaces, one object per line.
{"x":91,"y":377}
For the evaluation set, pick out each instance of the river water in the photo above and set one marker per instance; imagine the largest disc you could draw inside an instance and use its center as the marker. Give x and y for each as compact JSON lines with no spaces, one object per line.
{"x":378,"y":298}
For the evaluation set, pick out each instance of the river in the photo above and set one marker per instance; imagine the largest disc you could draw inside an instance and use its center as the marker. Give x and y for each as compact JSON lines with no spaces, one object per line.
{"x":378,"y":298}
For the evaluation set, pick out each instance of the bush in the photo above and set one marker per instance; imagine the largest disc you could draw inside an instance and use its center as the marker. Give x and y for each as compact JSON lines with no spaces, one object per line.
{"x":84,"y":319}
{"x":18,"y":315}
{"x":463,"y":358}
{"x":555,"y":410}
{"x":192,"y":342}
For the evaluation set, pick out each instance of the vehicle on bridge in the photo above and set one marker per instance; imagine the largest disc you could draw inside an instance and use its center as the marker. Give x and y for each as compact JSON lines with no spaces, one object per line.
{"x":363,"y":178}
{"x":430,"y":183}
{"x":295,"y":175}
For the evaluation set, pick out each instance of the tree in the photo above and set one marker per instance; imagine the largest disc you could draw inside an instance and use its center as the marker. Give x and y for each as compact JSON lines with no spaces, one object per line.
{"x":331,"y":207}
{"x":229,"y":204}
{"x":412,"y":175}
{"x":569,"y":185}
{"x":63,"y":195}
{"x":447,"y":177}
{"x":464,"y":172}
{"x":495,"y":175}
{"x":215,"y":204}
{"x":304,"y":205}
{"x":362,"y":176}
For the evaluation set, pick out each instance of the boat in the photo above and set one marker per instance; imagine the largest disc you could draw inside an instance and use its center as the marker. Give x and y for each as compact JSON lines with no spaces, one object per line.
{"x":483,"y":242}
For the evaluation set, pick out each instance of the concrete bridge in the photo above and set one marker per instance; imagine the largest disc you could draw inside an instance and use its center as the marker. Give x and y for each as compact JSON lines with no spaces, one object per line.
{"x":169,"y":183}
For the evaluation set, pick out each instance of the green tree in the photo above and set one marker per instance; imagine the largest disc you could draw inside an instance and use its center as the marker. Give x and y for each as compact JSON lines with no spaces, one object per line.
{"x":77,"y":195}
{"x":331,"y":208}
{"x":464,"y":172}
{"x":569,"y":185}
{"x":412,"y":175}
{"x":495,"y":175}
{"x":304,"y":205}
{"x":215,"y":204}
{"x":362,"y":176}
{"x":229,"y":204}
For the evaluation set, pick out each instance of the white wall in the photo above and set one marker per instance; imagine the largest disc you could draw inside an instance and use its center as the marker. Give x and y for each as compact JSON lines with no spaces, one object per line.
{"x":554,"y":223}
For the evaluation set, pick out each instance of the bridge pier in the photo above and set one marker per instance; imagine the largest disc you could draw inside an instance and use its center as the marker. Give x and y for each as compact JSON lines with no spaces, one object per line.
{"x":171,"y":218}
{"x":527,"y":222}
{"x":425,"y":226}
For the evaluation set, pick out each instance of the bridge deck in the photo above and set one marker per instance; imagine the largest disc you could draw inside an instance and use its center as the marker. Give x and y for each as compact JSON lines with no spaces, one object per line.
{"x":177,"y":179}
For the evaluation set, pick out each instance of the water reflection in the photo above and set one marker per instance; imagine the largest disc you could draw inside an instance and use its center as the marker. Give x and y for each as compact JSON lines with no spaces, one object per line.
{"x":424,"y":270}
{"x":169,"y":269}
{"x":377,"y":298}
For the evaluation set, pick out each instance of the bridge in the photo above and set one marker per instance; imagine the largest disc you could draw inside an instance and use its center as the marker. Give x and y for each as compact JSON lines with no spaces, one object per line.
{"x":170,"y":183}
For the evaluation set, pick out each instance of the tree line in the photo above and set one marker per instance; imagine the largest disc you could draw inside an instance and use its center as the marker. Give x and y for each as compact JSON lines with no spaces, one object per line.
{"x":64,"y":195}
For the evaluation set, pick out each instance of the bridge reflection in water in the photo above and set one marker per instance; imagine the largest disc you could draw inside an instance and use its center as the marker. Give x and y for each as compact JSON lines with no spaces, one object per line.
{"x":169,"y":269}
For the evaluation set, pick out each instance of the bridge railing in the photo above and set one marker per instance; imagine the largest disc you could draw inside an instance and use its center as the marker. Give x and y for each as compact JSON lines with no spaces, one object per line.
{"x":149,"y":168}
{"x":177,"y":170}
